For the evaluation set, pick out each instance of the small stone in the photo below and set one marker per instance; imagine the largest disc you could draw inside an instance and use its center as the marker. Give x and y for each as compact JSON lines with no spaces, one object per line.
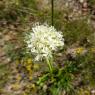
{"x":44,"y":87}
{"x":85,"y":5}
{"x":0,"y":34}
{"x":7,"y":38}
{"x":2,"y":53}
{"x":81,"y":1}
{"x":92,"y":91}
{"x":2,"y":42}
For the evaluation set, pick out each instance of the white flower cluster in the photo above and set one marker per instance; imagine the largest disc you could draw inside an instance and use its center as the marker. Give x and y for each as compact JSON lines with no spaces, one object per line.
{"x":43,"y":40}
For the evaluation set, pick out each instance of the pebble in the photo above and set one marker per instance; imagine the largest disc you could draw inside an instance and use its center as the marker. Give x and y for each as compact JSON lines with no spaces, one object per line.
{"x":2,"y":42}
{"x":93,"y":92}
{"x":81,"y":1}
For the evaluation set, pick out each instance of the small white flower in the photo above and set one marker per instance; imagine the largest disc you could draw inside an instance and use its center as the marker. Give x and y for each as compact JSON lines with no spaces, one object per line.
{"x":43,"y":40}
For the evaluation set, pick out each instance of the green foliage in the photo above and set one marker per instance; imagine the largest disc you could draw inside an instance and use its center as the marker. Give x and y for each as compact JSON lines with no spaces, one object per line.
{"x":77,"y":31}
{"x":60,"y":80}
{"x":28,"y":4}
{"x":4,"y":74}
{"x":88,"y":63}
{"x":17,"y":10}
{"x":91,"y":2}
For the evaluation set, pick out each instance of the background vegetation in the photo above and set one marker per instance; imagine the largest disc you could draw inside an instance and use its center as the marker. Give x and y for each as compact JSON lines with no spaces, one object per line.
{"x":75,"y":64}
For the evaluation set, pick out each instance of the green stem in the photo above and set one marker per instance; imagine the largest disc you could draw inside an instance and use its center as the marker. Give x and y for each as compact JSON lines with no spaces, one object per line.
{"x":43,"y":78}
{"x":52,"y":11}
{"x":50,"y":65}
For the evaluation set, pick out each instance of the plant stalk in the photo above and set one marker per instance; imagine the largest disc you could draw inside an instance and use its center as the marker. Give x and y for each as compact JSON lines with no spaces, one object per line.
{"x":52,"y":12}
{"x":49,"y":65}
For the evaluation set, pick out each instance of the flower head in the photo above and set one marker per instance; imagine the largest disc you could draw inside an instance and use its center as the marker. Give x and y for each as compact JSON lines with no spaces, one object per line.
{"x":43,"y":40}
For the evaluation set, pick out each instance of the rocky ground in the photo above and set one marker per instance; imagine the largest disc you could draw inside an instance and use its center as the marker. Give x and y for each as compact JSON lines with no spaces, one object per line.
{"x":9,"y":33}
